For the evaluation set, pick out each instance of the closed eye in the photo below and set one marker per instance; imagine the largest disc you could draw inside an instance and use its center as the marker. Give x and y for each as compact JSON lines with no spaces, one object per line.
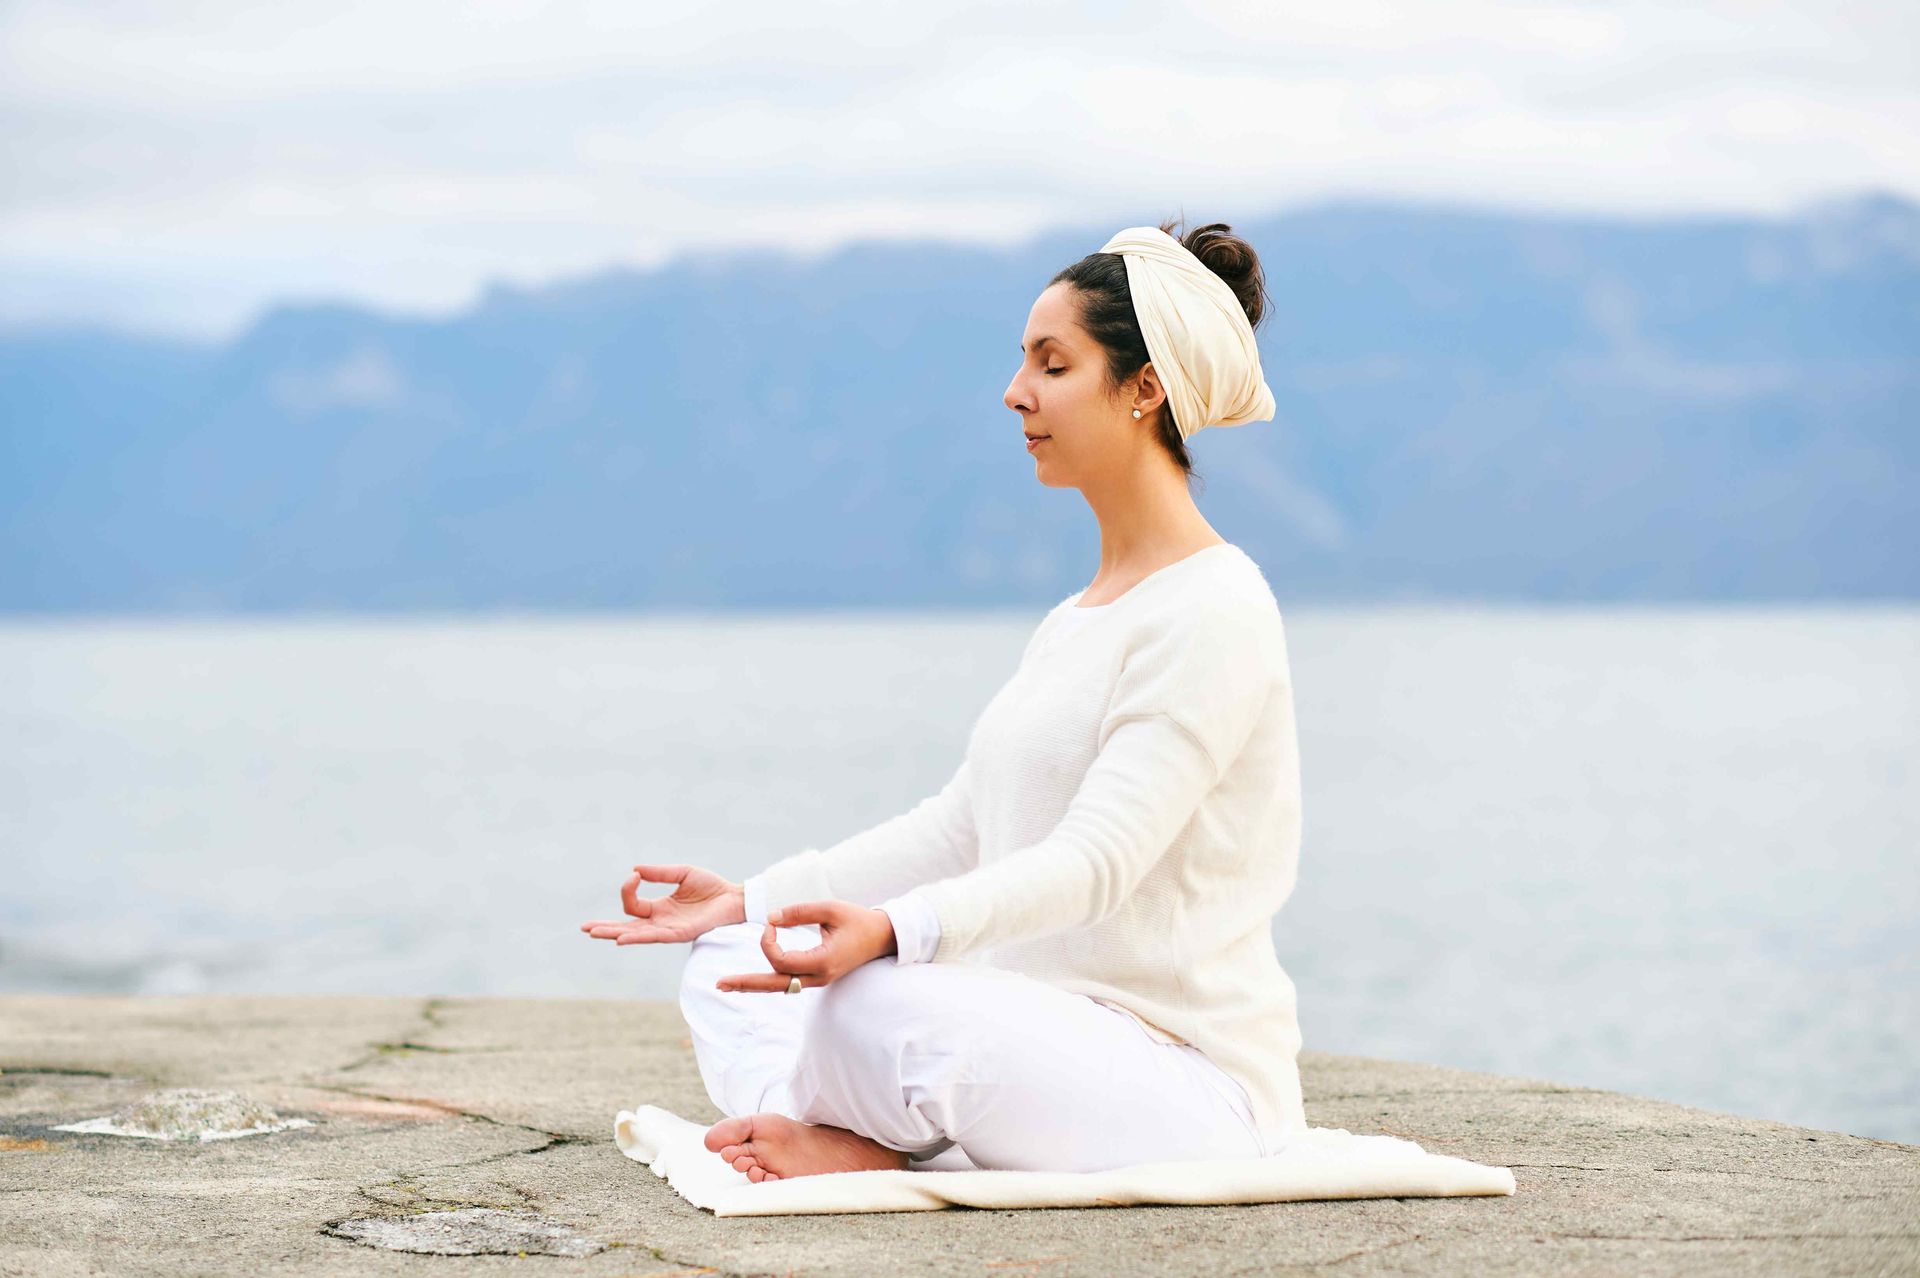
{"x":1056,"y":370}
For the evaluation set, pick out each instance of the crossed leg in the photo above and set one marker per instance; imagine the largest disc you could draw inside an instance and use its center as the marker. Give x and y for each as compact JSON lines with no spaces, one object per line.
{"x":748,"y":1045}
{"x":944,"y":1065}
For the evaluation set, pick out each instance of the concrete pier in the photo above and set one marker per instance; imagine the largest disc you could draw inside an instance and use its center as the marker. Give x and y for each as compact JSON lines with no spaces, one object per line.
{"x":474,"y":1136}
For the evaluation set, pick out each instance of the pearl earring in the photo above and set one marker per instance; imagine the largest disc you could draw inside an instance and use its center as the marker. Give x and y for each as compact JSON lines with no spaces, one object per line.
{"x":1136,"y":412}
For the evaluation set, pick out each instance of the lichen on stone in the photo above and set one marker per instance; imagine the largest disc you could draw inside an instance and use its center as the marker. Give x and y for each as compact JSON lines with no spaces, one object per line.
{"x":188,"y":1113}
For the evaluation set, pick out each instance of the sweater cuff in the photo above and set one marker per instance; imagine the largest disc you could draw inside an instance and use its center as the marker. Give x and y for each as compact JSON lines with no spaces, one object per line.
{"x":916,"y":929}
{"x":756,"y":899}
{"x":792,"y":879}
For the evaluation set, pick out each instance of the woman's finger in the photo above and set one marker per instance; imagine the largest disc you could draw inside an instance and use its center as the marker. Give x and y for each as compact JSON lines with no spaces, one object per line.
{"x":811,"y":961}
{"x":619,"y":927}
{"x":663,"y":873}
{"x":649,"y":935}
{"x":763,"y":983}
{"x":629,"y":934}
{"x":630,"y":900}
{"x":804,"y":912}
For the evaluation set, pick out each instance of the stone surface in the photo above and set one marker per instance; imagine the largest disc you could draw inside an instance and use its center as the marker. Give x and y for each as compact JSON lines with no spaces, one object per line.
{"x":490,"y":1120}
{"x":188,"y":1113}
{"x":469,"y":1231}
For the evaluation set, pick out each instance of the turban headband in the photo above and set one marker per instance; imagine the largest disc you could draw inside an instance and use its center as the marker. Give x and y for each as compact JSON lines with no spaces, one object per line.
{"x":1197,"y":333}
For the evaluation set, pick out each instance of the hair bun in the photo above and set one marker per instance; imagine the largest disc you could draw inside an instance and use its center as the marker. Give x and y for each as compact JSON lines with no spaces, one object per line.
{"x":1232,"y":259}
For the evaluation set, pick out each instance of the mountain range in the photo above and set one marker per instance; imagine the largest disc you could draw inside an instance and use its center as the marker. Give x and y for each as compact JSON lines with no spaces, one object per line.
{"x":1474,"y":405}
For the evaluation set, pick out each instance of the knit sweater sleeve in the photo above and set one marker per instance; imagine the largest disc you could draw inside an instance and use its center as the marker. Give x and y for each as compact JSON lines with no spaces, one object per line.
{"x":1189,"y":693}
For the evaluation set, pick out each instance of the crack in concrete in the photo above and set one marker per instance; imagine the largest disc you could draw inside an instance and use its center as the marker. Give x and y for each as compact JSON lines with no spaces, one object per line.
{"x":8,"y":1071}
{"x":405,"y":1195}
{"x":554,"y":1142}
{"x":411,"y":1200}
{"x":382,"y":1050}
{"x":1369,"y":1251}
{"x":429,"y":1102}
{"x":691,"y":1268}
{"x":430,"y":1013}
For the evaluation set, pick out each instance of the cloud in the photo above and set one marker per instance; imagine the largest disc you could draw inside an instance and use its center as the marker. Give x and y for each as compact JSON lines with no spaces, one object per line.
{"x":407,"y":154}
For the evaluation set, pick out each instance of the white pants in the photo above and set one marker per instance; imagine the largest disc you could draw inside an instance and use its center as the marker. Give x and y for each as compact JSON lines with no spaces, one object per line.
{"x":958,"y":1065}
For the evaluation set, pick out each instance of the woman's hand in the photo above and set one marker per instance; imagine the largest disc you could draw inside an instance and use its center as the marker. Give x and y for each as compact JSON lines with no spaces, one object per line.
{"x":702,"y":901}
{"x":850,"y":935}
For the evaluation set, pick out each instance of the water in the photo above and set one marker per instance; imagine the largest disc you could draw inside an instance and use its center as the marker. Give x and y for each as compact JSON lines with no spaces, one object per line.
{"x":1665,"y":851}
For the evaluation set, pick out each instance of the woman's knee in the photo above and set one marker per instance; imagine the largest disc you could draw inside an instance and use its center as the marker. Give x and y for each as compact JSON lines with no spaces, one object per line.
{"x":710,"y":956}
{"x":873,"y":1004}
{"x":867,"y":989}
{"x":864,"y":1029}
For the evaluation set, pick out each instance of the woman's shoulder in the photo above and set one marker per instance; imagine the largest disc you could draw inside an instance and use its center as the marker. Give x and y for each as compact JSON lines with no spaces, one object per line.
{"x":1225,"y":590}
{"x":1243,"y":583}
{"x":1231,"y":590}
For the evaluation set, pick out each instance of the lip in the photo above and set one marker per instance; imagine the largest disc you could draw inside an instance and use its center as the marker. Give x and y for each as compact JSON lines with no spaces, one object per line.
{"x":1034,"y":441}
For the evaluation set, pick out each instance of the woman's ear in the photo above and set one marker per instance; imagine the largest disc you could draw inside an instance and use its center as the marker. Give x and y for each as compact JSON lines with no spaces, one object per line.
{"x":1151,"y":394}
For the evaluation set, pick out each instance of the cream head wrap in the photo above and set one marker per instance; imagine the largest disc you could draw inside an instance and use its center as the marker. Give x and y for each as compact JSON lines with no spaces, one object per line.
{"x":1197,"y":333}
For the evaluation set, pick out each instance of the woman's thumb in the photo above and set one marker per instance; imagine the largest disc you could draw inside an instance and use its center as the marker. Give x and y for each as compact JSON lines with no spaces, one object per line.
{"x":804,"y":912}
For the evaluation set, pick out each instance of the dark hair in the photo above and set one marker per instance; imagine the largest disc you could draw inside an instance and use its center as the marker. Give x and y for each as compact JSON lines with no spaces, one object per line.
{"x":1106,"y":307}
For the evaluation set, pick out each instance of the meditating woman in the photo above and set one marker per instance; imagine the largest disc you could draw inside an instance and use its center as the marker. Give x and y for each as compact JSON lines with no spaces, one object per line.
{"x":1064,"y":959}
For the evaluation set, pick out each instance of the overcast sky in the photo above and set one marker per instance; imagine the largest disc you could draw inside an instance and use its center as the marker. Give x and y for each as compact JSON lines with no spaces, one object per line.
{"x":174,"y":165}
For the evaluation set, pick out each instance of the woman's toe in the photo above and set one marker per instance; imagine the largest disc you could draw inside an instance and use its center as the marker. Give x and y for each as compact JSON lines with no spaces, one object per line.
{"x":756,"y":1173}
{"x":743,"y":1162}
{"x":728,"y":1131}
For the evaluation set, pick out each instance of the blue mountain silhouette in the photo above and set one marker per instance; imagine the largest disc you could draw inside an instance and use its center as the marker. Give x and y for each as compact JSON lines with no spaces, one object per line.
{"x":1472,"y":405}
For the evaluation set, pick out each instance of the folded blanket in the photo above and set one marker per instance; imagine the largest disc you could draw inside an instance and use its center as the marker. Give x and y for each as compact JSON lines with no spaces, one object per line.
{"x":1323,"y":1162}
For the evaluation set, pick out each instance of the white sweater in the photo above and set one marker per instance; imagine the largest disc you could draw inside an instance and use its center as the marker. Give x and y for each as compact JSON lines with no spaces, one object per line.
{"x":1125,"y":824}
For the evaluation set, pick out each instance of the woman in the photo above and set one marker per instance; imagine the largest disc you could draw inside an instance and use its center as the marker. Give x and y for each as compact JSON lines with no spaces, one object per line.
{"x":1081,"y":969}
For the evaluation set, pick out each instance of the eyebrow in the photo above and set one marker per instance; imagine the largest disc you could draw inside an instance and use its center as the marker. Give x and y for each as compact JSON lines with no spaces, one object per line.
{"x":1038,"y":342}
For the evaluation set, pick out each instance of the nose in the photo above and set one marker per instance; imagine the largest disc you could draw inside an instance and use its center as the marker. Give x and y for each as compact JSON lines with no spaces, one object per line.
{"x":1016,"y":397}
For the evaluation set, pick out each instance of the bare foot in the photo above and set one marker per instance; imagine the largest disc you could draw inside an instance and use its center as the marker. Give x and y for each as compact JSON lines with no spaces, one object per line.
{"x":769,"y":1146}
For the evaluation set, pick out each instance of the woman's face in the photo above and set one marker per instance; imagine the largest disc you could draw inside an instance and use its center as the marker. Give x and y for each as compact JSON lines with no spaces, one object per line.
{"x":1061,"y":393}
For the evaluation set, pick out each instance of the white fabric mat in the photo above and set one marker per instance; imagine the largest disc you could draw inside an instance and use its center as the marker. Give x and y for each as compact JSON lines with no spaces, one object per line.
{"x":1325,"y":1162}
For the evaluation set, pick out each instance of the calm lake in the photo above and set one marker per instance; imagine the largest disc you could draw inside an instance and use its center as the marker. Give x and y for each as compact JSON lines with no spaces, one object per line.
{"x":1666,"y":851}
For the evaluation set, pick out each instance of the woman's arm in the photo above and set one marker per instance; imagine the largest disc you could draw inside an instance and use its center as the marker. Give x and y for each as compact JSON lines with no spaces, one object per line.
{"x":1185,"y":703}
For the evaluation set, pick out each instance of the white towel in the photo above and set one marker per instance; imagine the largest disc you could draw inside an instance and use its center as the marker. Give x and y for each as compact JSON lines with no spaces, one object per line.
{"x":1324,"y":1162}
